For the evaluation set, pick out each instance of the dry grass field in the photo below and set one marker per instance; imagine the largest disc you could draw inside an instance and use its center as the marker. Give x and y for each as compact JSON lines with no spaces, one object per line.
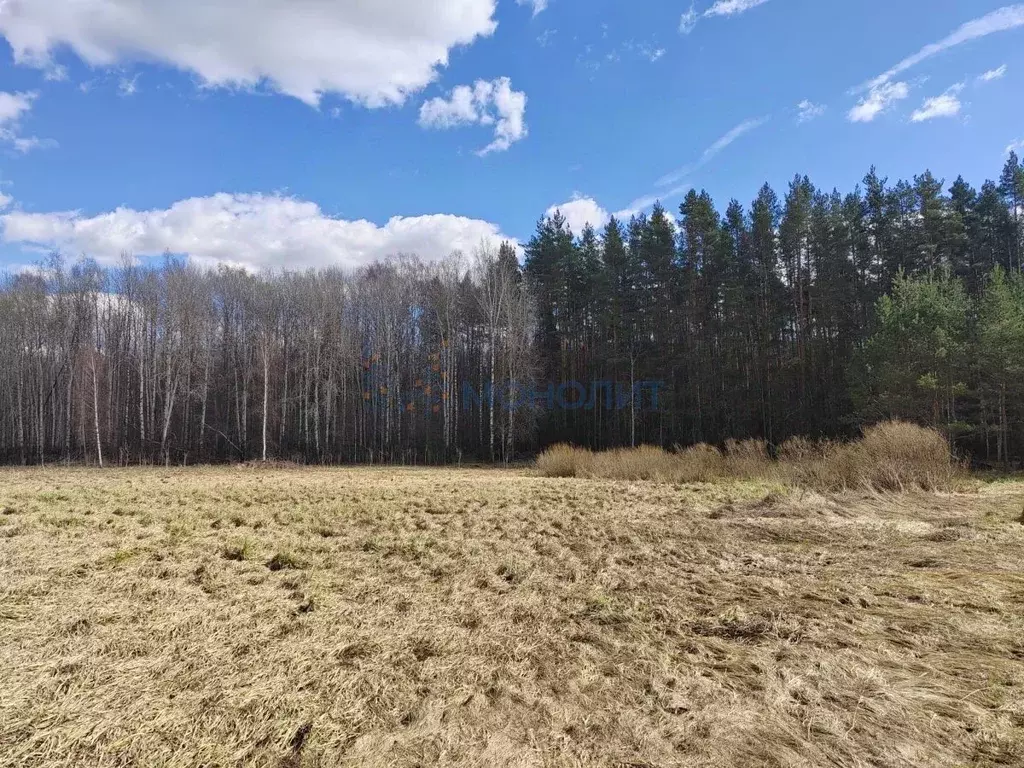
{"x":403,"y":617}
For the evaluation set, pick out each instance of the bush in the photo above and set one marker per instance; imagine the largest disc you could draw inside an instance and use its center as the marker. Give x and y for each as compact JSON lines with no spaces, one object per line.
{"x":643,"y":463}
{"x":700,"y":463}
{"x":891,"y":456}
{"x":748,"y":459}
{"x":560,"y":460}
{"x":897,"y":456}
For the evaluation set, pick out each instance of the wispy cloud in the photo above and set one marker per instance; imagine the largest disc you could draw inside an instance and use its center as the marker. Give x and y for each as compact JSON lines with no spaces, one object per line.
{"x":641,"y":204}
{"x":1004,"y":19}
{"x":544,"y":38}
{"x":14,"y":106}
{"x":1014,"y":146}
{"x":732,"y":7}
{"x":651,"y":54}
{"x":740,"y":130}
{"x":945,"y":105}
{"x":25,"y":144}
{"x":993,"y":74}
{"x":883,"y":91}
{"x":878,"y":100}
{"x":807,"y":110}
{"x":689,"y":20}
{"x":538,"y":5}
{"x":128,"y":86}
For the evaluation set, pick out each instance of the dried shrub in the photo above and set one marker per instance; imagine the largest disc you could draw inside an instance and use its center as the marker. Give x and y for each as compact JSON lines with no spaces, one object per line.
{"x":561,"y":460}
{"x":748,"y":459}
{"x":701,"y":463}
{"x":891,"y":456}
{"x":898,"y":456}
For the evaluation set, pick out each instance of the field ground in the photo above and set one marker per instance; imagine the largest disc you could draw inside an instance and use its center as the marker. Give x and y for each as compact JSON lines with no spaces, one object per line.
{"x":379,"y":617}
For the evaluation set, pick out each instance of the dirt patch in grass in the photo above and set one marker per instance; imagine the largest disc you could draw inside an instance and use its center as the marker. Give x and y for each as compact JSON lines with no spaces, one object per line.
{"x":382,"y":617}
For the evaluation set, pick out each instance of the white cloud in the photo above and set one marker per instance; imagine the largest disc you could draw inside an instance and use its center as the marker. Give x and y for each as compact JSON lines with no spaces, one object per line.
{"x":641,"y":204}
{"x":13,"y":106}
{"x":1007,"y":18}
{"x":25,"y":144}
{"x":485,"y":103}
{"x":732,"y":7}
{"x":538,"y":5}
{"x":688,"y":21}
{"x":808,"y":110}
{"x":5,"y":201}
{"x":650,"y":53}
{"x":128,"y":86}
{"x":1014,"y":146}
{"x":461,"y":108}
{"x":743,"y":128}
{"x":373,"y":53}
{"x":993,"y":74}
{"x":580,"y":211}
{"x":946,"y":105}
{"x":878,"y":100}
{"x":256,"y":231}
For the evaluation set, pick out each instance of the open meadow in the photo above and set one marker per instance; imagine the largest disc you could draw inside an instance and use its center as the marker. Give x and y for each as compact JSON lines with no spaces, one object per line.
{"x":288,"y":617}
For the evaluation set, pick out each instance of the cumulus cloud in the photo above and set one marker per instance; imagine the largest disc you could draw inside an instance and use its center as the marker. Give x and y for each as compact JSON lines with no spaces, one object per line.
{"x":807,"y":110}
{"x":13,"y":106}
{"x":484,"y":103}
{"x":946,"y":105}
{"x":1002,"y":20}
{"x":373,"y":53}
{"x":255,"y":231}
{"x":878,"y":100}
{"x":537,"y":5}
{"x":993,"y":74}
{"x":580,"y":211}
{"x":722,"y":143}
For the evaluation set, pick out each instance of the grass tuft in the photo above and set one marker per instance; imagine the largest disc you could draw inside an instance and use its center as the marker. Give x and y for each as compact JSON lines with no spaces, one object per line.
{"x":237,"y":552}
{"x":284,"y":561}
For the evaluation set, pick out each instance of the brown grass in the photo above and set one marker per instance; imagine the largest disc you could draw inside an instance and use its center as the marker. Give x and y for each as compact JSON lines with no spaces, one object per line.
{"x":892,"y":456}
{"x":379,"y":617}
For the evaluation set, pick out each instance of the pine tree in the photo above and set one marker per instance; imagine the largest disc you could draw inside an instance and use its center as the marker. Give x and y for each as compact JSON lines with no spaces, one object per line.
{"x":914,"y":364}
{"x":1001,"y":355}
{"x":1011,"y":187}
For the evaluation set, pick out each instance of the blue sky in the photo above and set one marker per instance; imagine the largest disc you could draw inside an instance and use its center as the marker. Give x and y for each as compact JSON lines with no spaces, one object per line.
{"x":306,"y":132}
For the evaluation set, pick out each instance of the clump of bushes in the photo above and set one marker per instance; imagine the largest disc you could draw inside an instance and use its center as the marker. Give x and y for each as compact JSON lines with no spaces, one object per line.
{"x":891,"y":456}
{"x":562,"y":460}
{"x":699,"y":463}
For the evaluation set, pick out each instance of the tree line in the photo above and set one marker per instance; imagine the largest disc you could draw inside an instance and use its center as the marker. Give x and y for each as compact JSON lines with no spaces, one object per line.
{"x":810,"y":314}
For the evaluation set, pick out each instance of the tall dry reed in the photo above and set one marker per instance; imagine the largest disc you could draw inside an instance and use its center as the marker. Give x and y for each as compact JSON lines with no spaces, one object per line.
{"x":891,"y":456}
